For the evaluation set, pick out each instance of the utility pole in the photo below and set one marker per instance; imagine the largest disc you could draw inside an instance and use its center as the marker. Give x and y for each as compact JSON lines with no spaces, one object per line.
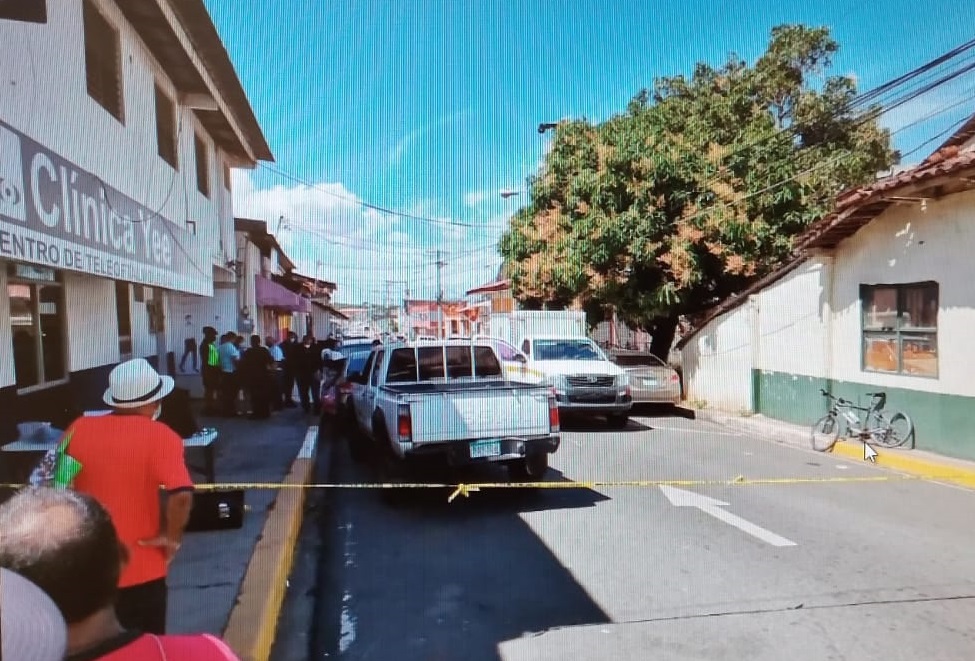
{"x":440,"y":324}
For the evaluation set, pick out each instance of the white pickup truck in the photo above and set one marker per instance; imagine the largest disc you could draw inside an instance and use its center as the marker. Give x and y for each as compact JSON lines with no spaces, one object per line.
{"x":449,"y":400}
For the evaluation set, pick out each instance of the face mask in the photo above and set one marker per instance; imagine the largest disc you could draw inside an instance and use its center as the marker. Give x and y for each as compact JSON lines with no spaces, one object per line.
{"x":157,"y":412}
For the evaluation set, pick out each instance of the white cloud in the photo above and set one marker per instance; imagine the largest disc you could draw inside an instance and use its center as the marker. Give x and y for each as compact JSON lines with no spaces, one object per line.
{"x":475,"y":198}
{"x":366,"y":252}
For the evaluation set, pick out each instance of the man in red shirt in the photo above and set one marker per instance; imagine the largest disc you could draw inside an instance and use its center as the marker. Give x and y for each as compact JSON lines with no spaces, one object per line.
{"x":63,"y":541}
{"x":125,"y":458}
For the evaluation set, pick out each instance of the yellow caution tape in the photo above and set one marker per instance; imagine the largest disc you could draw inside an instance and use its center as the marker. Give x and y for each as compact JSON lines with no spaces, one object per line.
{"x":465,"y":489}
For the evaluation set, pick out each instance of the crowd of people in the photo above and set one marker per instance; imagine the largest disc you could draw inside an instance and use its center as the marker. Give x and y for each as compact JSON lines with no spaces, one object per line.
{"x":269,"y":373}
{"x":86,"y":549}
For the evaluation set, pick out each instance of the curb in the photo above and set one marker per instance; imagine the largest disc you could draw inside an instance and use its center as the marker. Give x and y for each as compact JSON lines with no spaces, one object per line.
{"x":923,"y":468}
{"x":253,"y":621}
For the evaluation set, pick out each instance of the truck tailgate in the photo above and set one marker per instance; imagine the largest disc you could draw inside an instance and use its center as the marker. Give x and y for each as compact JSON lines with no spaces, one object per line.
{"x":479,"y":414}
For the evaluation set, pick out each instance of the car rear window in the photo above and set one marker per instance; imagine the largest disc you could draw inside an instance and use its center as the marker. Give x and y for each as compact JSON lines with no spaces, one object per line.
{"x":431,"y":365}
{"x":638,"y":360}
{"x":402,"y":366}
{"x":487,"y":364}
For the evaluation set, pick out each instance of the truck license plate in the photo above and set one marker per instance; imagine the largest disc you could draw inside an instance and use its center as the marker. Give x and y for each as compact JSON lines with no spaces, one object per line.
{"x":485,"y":449}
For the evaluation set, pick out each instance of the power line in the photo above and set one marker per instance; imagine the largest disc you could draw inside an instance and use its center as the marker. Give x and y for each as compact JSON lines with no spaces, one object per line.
{"x":369,"y":205}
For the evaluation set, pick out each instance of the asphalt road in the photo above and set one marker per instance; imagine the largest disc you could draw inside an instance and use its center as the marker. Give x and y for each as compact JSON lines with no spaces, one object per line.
{"x":834,"y":560}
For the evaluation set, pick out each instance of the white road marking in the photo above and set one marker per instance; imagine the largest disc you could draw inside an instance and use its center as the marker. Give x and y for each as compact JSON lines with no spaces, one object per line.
{"x":348,"y":619}
{"x":712,"y":507}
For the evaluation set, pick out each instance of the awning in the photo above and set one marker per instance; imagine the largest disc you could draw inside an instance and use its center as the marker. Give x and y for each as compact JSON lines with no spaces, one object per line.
{"x":490,"y":288}
{"x":272,"y":295}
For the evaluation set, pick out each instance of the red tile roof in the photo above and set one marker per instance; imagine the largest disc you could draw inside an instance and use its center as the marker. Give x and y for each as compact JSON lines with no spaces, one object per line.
{"x":858,"y":206}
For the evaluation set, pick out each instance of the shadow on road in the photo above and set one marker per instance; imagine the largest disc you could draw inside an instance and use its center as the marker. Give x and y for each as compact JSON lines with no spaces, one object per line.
{"x":598,"y":424}
{"x":435,"y":580}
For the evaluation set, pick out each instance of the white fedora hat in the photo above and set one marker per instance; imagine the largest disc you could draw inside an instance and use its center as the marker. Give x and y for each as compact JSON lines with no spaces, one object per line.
{"x":134,"y":383}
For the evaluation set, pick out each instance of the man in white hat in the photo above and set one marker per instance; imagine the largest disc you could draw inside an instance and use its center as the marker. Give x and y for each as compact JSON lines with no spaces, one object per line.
{"x":124,"y":458}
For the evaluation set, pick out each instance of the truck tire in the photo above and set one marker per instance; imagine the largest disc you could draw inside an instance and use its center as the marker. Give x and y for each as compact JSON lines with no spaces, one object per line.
{"x":389,"y":468}
{"x":530,"y":469}
{"x":617,"y":420}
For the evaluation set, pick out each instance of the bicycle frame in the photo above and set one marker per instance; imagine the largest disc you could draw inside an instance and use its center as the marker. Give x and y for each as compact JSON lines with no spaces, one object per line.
{"x":844,"y":409}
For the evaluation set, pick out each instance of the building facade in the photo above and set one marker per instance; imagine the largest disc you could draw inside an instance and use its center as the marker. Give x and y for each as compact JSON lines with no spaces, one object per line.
{"x":880,"y":298}
{"x":115,"y":201}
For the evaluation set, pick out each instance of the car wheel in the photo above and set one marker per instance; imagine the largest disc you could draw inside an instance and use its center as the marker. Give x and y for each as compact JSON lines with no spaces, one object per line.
{"x":530,"y":469}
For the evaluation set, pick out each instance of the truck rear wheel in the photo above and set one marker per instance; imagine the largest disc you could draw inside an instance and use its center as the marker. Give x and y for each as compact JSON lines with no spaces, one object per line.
{"x":530,"y":469}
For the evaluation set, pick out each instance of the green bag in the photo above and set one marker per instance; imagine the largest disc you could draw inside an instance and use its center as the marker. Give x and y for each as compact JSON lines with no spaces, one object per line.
{"x":57,"y":469}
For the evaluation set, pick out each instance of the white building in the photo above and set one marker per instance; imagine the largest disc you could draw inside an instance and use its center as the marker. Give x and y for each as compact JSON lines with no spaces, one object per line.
{"x":881,"y":298}
{"x":119,"y":123}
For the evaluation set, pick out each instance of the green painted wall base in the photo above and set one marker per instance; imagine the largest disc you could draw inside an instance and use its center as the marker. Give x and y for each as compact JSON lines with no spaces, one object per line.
{"x":942,"y":422}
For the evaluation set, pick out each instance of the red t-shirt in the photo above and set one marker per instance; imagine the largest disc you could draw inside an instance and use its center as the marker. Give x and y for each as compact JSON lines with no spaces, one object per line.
{"x":139,"y":647}
{"x":125,"y":459}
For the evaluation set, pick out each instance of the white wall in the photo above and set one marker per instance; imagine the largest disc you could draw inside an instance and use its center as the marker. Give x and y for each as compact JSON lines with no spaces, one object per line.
{"x":92,"y":321}
{"x":45,"y":96}
{"x":7,"y":374}
{"x":902,"y":245}
{"x":718,"y":360}
{"x":792,"y":321}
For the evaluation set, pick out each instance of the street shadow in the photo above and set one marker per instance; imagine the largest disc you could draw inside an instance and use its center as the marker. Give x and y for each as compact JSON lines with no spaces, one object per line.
{"x":437,"y":580}
{"x":583,"y":423}
{"x":662,"y":411}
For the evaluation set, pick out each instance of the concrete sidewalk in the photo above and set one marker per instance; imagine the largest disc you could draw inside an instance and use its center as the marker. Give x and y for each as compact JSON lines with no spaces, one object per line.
{"x":918,"y":463}
{"x":207,"y":576}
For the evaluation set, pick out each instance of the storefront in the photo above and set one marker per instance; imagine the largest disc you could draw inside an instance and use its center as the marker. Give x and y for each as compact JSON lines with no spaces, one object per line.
{"x":84,"y":272}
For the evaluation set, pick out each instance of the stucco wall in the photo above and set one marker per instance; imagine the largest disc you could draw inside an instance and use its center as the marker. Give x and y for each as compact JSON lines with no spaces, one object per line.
{"x":717,"y":362}
{"x":903,"y":245}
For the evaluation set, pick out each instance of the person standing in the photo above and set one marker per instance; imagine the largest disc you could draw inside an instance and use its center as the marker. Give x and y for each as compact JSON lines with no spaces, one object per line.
{"x":229,"y":386}
{"x":65,"y":543}
{"x":277,"y":373}
{"x":255,"y":375}
{"x":307,"y":366}
{"x":210,"y":358}
{"x":122,"y":460}
{"x":288,"y":348}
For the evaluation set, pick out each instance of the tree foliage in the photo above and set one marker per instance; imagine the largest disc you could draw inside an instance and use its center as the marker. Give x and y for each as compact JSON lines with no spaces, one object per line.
{"x":696,"y":189}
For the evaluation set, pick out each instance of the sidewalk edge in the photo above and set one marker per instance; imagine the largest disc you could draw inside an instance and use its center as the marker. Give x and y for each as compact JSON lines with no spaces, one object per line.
{"x":253,"y":621}
{"x":923,"y":468}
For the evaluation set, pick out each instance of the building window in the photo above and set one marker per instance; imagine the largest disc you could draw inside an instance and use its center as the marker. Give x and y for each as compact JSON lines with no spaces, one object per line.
{"x":123,"y":312}
{"x":202,"y":166}
{"x":37,"y":317}
{"x":900,"y":328}
{"x":166,"y":128}
{"x":103,"y":61}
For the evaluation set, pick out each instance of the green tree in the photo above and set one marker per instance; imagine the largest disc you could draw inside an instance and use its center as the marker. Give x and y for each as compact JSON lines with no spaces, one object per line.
{"x":695,"y":190}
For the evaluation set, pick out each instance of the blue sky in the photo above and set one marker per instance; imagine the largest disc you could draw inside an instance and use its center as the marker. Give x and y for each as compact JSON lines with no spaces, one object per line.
{"x":431,"y":107}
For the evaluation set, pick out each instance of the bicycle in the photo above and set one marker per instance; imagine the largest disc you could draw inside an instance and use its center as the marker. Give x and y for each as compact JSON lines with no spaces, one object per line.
{"x":890,"y":429}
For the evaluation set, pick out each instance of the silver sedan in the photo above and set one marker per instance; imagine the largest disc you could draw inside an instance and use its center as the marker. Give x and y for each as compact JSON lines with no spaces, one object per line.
{"x":651,"y":380}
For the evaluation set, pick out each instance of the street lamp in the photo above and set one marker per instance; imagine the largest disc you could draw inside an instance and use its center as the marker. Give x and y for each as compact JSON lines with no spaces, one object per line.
{"x":545,"y":126}
{"x":506,"y":193}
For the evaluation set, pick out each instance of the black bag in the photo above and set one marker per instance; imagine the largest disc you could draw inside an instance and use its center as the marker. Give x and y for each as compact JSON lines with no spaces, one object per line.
{"x":216,"y":510}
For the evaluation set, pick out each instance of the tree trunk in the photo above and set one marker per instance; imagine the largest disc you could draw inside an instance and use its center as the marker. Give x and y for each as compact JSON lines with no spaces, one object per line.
{"x":662,"y":338}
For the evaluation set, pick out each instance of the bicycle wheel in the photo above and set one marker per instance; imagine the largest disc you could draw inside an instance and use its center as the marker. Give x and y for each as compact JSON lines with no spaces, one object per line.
{"x":825,"y":433}
{"x":898,"y":429}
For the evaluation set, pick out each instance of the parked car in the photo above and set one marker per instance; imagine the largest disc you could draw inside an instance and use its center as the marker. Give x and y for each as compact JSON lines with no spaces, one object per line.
{"x":355,"y":351}
{"x":449,"y":400}
{"x":651,"y":380}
